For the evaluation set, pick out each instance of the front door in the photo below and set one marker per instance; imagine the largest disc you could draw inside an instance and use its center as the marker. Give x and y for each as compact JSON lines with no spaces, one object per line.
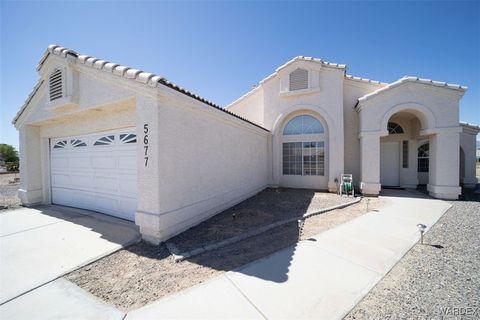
{"x":390,"y":164}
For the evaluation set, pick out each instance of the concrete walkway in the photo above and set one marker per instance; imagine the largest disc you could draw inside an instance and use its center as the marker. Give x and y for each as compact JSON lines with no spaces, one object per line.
{"x":38,"y":245}
{"x":59,"y":299}
{"x":323,"y":278}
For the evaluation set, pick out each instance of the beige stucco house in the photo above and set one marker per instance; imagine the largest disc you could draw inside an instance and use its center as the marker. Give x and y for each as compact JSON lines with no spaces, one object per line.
{"x":106,"y":137}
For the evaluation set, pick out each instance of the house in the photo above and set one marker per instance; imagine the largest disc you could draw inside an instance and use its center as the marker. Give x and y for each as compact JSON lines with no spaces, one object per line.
{"x":106,"y":137}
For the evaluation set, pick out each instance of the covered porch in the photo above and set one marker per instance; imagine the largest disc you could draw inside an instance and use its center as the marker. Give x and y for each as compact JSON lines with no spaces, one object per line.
{"x":395,"y":121}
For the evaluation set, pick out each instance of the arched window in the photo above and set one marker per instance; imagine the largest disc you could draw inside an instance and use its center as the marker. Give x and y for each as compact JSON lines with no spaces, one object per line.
{"x":105,"y":141}
{"x":298,"y":79}
{"x":76,"y":143}
{"x":303,"y":147}
{"x":394,"y":128}
{"x":128,"y":138}
{"x":55,"y":85}
{"x":423,"y":156}
{"x":60,"y":144}
{"x":303,"y":125}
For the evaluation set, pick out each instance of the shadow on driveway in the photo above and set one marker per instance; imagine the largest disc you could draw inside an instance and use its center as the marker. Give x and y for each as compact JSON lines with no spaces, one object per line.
{"x":43,"y":243}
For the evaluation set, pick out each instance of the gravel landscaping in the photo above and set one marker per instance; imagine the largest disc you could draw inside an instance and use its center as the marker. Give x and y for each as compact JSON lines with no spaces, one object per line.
{"x":9,"y":191}
{"x":442,"y":273}
{"x":140,"y":274}
{"x":267,"y":207}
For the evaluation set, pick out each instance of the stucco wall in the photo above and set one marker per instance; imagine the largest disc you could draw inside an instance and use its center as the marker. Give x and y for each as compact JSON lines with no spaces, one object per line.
{"x":468,"y":139}
{"x":100,"y":105}
{"x":325,"y":99}
{"x":207,"y":161}
{"x":250,"y":107}
{"x":435,"y":107}
{"x":352,"y":90}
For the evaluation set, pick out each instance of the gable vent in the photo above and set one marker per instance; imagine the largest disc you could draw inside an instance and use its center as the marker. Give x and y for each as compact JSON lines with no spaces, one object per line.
{"x":56,"y":85}
{"x":298,"y":79}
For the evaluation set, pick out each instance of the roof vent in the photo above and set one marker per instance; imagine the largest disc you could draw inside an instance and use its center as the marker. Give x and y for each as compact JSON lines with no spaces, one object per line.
{"x":298,"y":79}
{"x":56,"y":85}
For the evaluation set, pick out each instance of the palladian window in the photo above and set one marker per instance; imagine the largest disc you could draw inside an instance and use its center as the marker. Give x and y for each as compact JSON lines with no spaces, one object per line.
{"x":303,"y":147}
{"x":303,"y":125}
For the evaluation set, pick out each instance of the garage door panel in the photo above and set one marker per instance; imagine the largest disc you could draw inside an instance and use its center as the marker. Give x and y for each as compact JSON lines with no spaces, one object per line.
{"x":107,"y":184}
{"x":127,"y":162}
{"x":128,"y":186}
{"x":59,"y":162}
{"x":73,"y":198}
{"x":106,"y":203}
{"x":128,"y":205}
{"x":104,"y":162}
{"x":78,"y":162}
{"x":96,"y":177}
{"x":78,"y":181}
{"x":61,"y":180}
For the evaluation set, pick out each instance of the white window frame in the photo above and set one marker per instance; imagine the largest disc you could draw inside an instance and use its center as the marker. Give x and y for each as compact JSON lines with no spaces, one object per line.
{"x":317,"y":137}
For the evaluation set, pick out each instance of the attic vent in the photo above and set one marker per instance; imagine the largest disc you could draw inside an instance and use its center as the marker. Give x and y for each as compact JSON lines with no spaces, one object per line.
{"x":298,"y":79}
{"x":56,"y":85}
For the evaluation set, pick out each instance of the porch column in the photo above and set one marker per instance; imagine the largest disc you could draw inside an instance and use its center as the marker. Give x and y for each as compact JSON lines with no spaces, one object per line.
{"x":30,"y":191}
{"x":370,"y":164}
{"x":147,"y":216}
{"x":444,"y":165}
{"x":469,"y":147}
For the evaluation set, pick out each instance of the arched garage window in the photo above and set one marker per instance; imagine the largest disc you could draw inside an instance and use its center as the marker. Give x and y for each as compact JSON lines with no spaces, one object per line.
{"x":304,"y":147}
{"x":423,"y":155}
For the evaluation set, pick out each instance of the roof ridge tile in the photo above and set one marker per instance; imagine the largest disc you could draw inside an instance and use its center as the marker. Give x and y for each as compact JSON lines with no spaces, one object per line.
{"x":147,"y":78}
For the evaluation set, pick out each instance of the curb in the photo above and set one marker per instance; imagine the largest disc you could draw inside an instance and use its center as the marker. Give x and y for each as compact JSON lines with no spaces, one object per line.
{"x":180,"y":256}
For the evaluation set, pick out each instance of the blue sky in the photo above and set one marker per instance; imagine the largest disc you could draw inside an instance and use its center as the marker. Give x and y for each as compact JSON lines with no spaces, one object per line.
{"x":220,"y":49}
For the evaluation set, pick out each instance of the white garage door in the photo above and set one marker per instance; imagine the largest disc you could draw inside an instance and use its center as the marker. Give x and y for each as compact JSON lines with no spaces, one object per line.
{"x":96,"y":172}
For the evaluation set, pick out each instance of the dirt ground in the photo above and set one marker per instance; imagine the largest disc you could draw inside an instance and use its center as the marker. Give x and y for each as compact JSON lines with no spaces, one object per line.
{"x":140,"y":274}
{"x":269,"y":206}
{"x":8,"y":191}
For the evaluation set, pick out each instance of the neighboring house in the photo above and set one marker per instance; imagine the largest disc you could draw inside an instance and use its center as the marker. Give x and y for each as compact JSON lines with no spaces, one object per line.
{"x":106,"y":137}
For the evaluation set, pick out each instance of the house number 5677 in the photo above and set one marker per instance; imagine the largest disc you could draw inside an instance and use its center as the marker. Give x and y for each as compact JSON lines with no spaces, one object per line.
{"x":145,"y":142}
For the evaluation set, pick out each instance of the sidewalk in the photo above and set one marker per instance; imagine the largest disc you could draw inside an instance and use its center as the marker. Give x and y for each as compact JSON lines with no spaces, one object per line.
{"x":323,"y":278}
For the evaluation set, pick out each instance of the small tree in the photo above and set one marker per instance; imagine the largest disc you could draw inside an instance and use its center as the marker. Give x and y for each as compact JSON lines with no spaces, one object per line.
{"x":8,"y":153}
{"x":10,"y":156}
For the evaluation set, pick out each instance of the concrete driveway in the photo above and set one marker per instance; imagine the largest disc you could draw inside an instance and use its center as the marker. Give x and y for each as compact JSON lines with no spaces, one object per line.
{"x":38,"y":245}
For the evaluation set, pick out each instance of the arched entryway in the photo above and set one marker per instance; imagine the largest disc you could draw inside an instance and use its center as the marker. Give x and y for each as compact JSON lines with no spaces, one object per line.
{"x":398,"y":149}
{"x":427,"y":115}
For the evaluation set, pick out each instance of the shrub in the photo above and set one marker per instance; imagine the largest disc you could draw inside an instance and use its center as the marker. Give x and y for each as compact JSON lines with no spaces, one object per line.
{"x":12,"y":165}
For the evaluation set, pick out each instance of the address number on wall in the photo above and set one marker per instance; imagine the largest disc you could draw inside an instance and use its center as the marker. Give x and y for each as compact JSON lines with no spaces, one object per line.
{"x":145,"y":142}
